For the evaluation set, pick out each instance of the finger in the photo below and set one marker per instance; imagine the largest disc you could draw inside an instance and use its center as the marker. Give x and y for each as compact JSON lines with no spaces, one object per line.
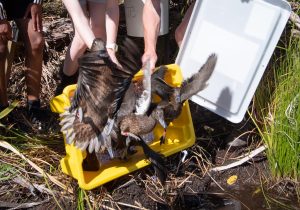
{"x":4,"y":39}
{"x":9,"y":36}
{"x":34,"y":19}
{"x":152,"y":65}
{"x":39,"y":23}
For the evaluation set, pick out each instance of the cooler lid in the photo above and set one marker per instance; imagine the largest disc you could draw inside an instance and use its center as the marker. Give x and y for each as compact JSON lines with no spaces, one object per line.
{"x":243,"y":34}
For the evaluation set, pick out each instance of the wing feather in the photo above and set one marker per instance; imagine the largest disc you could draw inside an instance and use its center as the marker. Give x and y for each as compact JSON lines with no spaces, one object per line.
{"x":199,"y":80}
{"x":100,"y":90}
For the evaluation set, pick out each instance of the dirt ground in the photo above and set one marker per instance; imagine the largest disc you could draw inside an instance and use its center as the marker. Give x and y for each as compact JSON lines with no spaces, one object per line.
{"x":190,"y":185}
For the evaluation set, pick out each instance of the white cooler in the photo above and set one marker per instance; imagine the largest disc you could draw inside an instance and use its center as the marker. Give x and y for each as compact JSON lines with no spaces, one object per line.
{"x":243,"y":34}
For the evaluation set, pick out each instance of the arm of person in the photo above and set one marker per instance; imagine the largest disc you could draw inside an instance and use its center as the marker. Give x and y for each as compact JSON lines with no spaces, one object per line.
{"x":35,"y":9}
{"x":112,"y":22}
{"x":5,"y":28}
{"x":111,"y":25}
{"x":181,"y":29}
{"x":81,"y":22}
{"x":151,"y":25}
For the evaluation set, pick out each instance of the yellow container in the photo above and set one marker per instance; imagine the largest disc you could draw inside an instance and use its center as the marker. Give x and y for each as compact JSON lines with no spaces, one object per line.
{"x":180,"y":135}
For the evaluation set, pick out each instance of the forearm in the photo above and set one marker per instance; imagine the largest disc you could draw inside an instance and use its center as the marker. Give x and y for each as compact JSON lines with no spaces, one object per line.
{"x":81,"y":22}
{"x":151,"y":23}
{"x":112,"y":21}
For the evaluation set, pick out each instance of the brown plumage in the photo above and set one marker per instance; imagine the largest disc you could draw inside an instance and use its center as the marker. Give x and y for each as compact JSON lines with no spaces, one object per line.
{"x":100,"y":90}
{"x":104,"y":95}
{"x":191,"y":86}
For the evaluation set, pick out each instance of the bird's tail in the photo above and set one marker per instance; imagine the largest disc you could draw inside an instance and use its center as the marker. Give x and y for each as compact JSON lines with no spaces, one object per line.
{"x":157,"y":160}
{"x":198,"y":81}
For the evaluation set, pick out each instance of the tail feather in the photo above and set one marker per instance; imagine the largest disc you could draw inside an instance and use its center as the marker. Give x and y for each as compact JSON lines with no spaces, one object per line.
{"x":198,"y":81}
{"x":157,"y":160}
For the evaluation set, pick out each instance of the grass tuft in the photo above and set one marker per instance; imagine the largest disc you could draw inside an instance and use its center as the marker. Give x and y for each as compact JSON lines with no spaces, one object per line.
{"x":278,"y":113}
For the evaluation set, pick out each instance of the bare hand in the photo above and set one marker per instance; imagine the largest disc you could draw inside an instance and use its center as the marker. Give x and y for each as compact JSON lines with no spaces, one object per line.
{"x":152,"y":57}
{"x":5,"y":31}
{"x":113,"y":57}
{"x":36,"y":15}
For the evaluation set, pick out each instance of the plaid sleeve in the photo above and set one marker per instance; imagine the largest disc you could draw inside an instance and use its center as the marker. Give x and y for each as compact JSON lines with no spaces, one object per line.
{"x":2,"y":12}
{"x":37,"y":1}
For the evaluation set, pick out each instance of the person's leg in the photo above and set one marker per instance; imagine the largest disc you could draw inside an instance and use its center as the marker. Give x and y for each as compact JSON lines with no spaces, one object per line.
{"x":180,"y":30}
{"x":75,"y":50}
{"x":112,"y":24}
{"x":80,"y":20}
{"x":34,"y":44}
{"x":3,"y":82}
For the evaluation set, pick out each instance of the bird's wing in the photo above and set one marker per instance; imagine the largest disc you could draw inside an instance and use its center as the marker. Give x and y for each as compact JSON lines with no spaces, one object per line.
{"x":199,"y":80}
{"x":100,"y":89}
{"x":159,"y":86}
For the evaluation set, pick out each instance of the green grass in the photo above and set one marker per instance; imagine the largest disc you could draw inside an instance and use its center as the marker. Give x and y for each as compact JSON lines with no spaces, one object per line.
{"x":83,"y":200}
{"x":277,"y":104}
{"x":7,"y":172}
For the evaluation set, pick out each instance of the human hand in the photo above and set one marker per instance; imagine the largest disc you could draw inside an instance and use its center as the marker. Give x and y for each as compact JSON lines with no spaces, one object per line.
{"x":36,"y":15}
{"x":112,"y":55}
{"x":150,"y":56}
{"x":5,"y":31}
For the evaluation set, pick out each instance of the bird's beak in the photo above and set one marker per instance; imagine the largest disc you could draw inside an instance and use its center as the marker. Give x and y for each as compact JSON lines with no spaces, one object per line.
{"x":123,"y":133}
{"x":128,"y":134}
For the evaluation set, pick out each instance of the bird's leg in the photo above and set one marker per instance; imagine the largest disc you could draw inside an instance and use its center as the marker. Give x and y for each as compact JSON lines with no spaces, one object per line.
{"x":162,"y":122}
{"x":163,"y":137}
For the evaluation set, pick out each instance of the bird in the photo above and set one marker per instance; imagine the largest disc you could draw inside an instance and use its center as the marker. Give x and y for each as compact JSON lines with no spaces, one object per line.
{"x":100,"y":89}
{"x":104,"y":94}
{"x":127,"y":114}
{"x":172,"y":99}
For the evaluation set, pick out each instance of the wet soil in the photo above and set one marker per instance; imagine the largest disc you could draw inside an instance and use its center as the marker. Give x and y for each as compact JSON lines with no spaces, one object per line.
{"x":253,"y":188}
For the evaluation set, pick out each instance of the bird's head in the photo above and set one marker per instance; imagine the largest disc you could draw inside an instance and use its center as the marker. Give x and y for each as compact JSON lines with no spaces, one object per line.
{"x":98,"y":45}
{"x":125,"y":127}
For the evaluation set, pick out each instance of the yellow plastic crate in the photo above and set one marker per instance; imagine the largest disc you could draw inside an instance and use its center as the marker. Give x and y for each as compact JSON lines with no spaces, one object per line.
{"x":180,"y":135}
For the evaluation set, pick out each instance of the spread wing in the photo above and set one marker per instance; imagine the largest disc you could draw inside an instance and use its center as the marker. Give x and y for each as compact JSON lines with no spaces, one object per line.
{"x":199,"y":80}
{"x":100,"y":89}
